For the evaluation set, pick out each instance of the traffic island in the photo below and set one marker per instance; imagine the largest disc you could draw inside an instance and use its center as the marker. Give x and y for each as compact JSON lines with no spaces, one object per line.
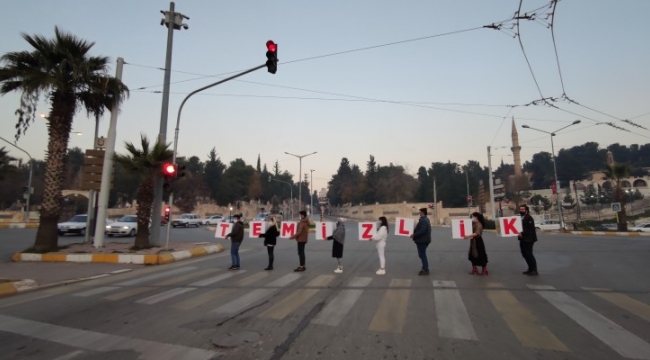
{"x":121,"y":253}
{"x":11,"y":287}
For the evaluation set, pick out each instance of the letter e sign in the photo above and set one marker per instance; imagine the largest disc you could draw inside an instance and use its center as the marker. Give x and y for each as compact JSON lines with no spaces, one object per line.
{"x":256,"y":228}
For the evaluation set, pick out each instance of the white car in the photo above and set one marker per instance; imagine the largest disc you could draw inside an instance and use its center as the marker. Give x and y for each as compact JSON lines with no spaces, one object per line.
{"x":211,"y":220}
{"x":645,"y":227}
{"x":548,"y":225}
{"x":76,"y":225}
{"x":261,"y":216}
{"x":126,"y":225}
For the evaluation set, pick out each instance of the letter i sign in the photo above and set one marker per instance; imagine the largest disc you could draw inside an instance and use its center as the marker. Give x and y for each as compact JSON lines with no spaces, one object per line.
{"x":460,"y":228}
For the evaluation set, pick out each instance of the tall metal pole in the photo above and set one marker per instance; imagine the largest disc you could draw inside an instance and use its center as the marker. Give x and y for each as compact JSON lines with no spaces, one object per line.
{"x":311,"y":193}
{"x":435,"y":201}
{"x":105,"y":186}
{"x":29,"y":181}
{"x":299,"y":179}
{"x":172,"y":20}
{"x":557,"y":186}
{"x":92,"y":204}
{"x":491,"y":177}
{"x":469,"y":210}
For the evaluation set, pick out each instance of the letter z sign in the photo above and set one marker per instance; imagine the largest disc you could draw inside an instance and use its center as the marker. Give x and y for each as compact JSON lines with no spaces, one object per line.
{"x":510,"y":226}
{"x":367,"y":230}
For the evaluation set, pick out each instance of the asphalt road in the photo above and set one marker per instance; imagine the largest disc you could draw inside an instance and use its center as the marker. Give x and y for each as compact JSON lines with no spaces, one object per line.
{"x":590,"y":301}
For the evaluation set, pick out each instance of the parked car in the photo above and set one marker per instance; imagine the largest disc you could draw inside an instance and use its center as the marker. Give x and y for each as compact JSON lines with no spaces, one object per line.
{"x":212,"y":220}
{"x":187,"y":220}
{"x":645,"y":227}
{"x":607,"y":227}
{"x":548,"y":225}
{"x":126,"y":225}
{"x":76,"y":225}
{"x":261,"y":216}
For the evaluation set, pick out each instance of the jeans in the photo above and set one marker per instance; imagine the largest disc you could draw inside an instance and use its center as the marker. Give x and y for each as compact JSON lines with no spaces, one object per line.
{"x":234,"y":253}
{"x":301,"y":252}
{"x":527,"y":253}
{"x":422,"y":253}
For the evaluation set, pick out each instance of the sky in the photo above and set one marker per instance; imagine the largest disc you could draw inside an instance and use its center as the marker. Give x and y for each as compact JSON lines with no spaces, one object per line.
{"x":409,"y":83}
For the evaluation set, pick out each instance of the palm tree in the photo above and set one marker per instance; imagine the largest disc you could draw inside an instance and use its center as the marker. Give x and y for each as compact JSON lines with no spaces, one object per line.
{"x":6,"y":168}
{"x":618,"y":172}
{"x":62,"y":70}
{"x":145,"y":163}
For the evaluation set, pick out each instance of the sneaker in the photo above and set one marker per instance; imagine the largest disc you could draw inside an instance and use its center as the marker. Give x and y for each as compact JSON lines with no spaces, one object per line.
{"x":269,"y":268}
{"x":423,"y":272}
{"x":300,"y":268}
{"x":231,"y":268}
{"x":339,"y":270}
{"x":381,"y":272}
{"x":533,"y":273}
{"x":235,"y":268}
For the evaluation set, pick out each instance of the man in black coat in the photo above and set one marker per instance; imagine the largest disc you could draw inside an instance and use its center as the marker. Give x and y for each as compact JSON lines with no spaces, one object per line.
{"x":422,"y":238}
{"x":527,"y":239}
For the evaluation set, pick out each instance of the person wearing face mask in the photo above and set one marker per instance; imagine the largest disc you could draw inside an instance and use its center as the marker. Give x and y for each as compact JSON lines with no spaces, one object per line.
{"x":527,"y":238}
{"x":380,"y":237}
{"x":477,"y":254}
{"x":337,"y":246}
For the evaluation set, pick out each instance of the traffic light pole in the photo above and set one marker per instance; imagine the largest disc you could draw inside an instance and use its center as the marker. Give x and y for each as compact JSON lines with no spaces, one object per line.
{"x":178,"y":122}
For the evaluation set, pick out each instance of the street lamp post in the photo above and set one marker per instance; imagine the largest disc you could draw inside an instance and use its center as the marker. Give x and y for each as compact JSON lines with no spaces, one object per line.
{"x":290,"y":191}
{"x":29,"y":181}
{"x":230,"y":217}
{"x":311,"y":193}
{"x":557,"y":181}
{"x":299,"y":174}
{"x":469,"y":210}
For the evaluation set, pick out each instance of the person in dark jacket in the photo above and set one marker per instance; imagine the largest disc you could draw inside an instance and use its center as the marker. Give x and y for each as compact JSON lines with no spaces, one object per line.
{"x":301,"y":239}
{"x":422,"y":238}
{"x":477,"y":254}
{"x":527,"y":238}
{"x":270,"y":239}
{"x":337,"y":246}
{"x":236,"y":237}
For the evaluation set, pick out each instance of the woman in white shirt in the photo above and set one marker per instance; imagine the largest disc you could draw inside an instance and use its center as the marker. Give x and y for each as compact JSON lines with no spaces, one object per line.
{"x":380,"y":237}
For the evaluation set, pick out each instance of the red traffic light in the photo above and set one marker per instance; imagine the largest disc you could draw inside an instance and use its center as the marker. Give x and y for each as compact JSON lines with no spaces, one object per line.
{"x":271,"y":46}
{"x":167,"y":209}
{"x":169,"y":169}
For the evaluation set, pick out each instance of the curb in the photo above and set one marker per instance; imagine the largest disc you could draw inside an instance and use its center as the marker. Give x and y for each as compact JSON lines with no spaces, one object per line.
{"x":18,"y":225}
{"x":15,"y":287}
{"x":121,"y":258}
{"x":609,"y":233}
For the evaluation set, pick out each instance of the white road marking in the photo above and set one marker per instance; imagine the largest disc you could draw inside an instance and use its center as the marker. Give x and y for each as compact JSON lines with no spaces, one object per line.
{"x":336,"y":309}
{"x":99,"y":290}
{"x":154,"y":299}
{"x":453,"y":320}
{"x":156,"y":276}
{"x":256,"y":295}
{"x":216,"y":279}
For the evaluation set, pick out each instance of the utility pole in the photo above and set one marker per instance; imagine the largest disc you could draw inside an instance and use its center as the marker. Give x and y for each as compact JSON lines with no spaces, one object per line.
{"x":469,"y":208}
{"x":311,"y":193}
{"x":435,"y":201}
{"x":107,"y":168}
{"x":173,"y":21}
{"x":299,"y":181}
{"x":491,"y":177}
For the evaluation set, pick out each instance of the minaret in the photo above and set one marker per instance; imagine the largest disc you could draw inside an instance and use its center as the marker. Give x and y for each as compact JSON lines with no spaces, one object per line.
{"x":516,"y":149}
{"x":610,"y":158}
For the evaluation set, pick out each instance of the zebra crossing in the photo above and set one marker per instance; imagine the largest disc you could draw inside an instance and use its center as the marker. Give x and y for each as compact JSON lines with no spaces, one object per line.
{"x":276,"y":296}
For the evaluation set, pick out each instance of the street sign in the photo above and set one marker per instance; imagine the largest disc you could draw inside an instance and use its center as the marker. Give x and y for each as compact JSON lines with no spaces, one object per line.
{"x":91,"y":177}
{"x":100,"y":143}
{"x":616,"y":207}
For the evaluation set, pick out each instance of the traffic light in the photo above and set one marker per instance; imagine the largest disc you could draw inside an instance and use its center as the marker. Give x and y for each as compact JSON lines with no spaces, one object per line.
{"x":169,"y":171}
{"x":272,"y":56}
{"x":167,"y":212}
{"x":181,"y":171}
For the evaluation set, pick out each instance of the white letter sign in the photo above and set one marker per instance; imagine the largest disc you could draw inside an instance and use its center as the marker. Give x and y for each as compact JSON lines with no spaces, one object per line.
{"x":323,"y":229}
{"x":256,"y":228}
{"x":367,"y":230}
{"x":288,"y":229}
{"x":404,"y":227}
{"x":460,"y":228}
{"x":223,"y":229}
{"x":510,"y":226}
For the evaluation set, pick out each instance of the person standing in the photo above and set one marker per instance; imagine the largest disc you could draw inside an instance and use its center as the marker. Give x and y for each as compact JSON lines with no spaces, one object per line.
{"x":270,"y":239}
{"x":527,"y":238}
{"x":477,"y":254}
{"x":236,"y":237}
{"x":380,"y":237}
{"x":337,"y":246}
{"x":422,"y":238}
{"x":301,"y":238}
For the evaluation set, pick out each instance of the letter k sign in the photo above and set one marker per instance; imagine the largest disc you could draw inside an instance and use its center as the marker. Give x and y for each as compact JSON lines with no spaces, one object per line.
{"x":510,"y":226}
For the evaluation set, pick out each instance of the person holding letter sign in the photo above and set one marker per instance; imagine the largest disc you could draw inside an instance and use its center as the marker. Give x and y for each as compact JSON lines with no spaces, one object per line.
{"x":236,"y":237}
{"x":380,"y":237}
{"x":337,"y":246}
{"x":422,"y":238}
{"x":527,"y":238}
{"x":477,"y":254}
{"x":301,"y":238}
{"x":270,"y":239}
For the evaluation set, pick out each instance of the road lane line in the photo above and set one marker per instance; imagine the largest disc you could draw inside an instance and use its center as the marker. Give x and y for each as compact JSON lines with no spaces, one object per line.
{"x":625,"y":302}
{"x":620,"y":340}
{"x":453,"y":320}
{"x":71,"y":355}
{"x":216,"y":279}
{"x":391,"y":314}
{"x":335,"y":310}
{"x":99,"y":290}
{"x":95,"y":341}
{"x":256,"y":295}
{"x":249,"y":280}
{"x":292,"y":302}
{"x":163,"y":274}
{"x":182,"y":278}
{"x":128,"y":293}
{"x":523,"y":323}
{"x":154,"y":299}
{"x":199,"y":300}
